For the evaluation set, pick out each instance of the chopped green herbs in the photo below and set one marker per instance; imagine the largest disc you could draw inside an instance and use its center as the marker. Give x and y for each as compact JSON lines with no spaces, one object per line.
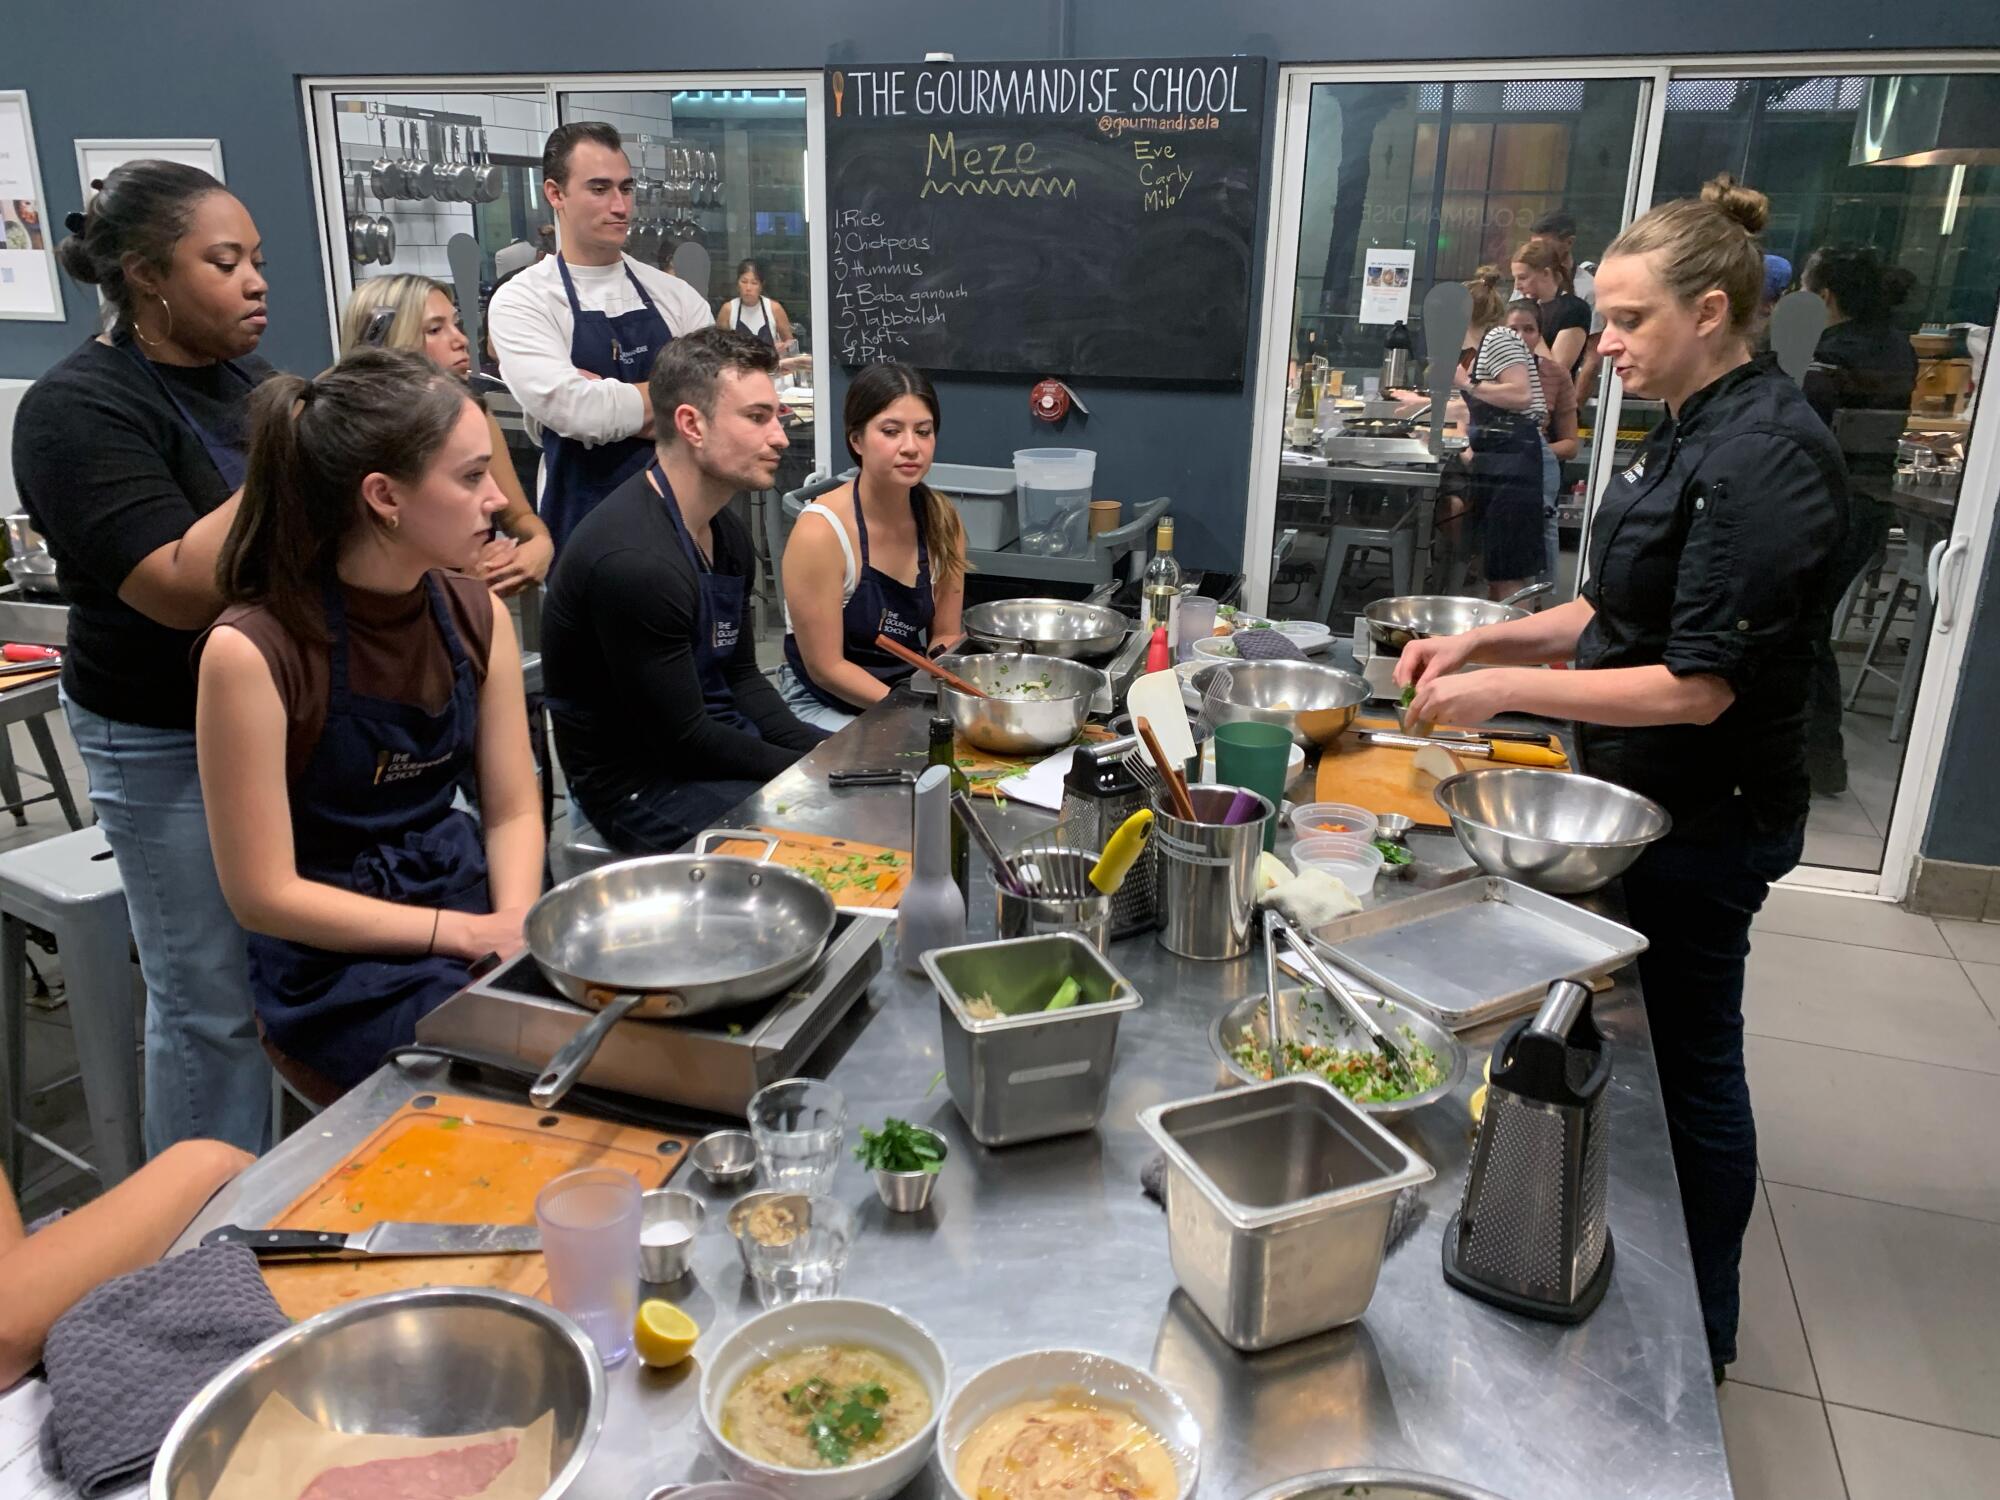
{"x":899,"y":1146}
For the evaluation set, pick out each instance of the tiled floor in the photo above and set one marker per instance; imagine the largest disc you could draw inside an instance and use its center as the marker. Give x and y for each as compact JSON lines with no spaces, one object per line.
{"x":1869,"y":1363}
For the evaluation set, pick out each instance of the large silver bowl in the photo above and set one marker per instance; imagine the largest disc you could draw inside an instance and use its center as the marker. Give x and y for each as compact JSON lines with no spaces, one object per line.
{"x":1049,"y":627}
{"x":1554,"y":830}
{"x":1313,"y":703}
{"x":432,"y":1362}
{"x":1376,"y":1484}
{"x":1394,"y":623}
{"x":1311,"y":1015}
{"x":1056,"y":696}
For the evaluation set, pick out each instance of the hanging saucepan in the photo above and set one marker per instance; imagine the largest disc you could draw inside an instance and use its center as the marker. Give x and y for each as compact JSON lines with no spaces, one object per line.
{"x":1394,"y":623}
{"x":425,"y":180}
{"x":361,"y":238}
{"x":488,"y":181}
{"x":672,"y":936}
{"x":383,"y":239}
{"x":464,"y":176}
{"x":385,"y":173}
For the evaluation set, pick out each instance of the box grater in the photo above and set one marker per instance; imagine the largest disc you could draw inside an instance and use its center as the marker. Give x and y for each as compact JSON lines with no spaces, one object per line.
{"x":1530,"y":1234}
{"x":1099,"y":794}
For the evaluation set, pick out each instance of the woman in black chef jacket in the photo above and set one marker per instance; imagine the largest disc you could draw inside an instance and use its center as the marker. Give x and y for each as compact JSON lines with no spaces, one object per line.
{"x":884,"y":555}
{"x":1694,"y":639}
{"x":355,"y":677}
{"x":129,"y":457}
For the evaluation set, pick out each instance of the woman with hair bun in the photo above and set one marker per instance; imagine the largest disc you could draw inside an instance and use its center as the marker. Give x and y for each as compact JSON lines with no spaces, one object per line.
{"x":356,"y":678}
{"x":1693,"y":639}
{"x":129,"y":455}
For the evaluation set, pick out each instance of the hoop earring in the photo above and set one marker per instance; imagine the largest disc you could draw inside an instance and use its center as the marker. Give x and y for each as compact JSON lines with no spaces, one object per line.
{"x":140,"y":334}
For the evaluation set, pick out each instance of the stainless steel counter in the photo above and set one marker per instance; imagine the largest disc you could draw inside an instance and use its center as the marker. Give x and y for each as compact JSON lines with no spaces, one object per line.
{"x":1053,"y":1244}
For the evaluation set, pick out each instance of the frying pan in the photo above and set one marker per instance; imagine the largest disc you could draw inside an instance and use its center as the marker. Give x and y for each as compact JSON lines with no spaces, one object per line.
{"x":462,"y":176}
{"x":1394,"y":623}
{"x":385,"y":173}
{"x":487,"y":183}
{"x":672,"y":936}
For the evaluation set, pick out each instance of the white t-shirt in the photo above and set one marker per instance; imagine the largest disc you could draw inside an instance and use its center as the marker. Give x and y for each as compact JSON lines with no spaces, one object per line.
{"x":1584,"y":279}
{"x":531,"y":324}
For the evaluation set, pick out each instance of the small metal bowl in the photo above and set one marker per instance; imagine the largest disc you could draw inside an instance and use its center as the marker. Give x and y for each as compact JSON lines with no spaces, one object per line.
{"x":910,"y":1192}
{"x":739,"y":1217}
{"x":1394,"y":826}
{"x":427,"y":1362}
{"x":1313,"y":703}
{"x":1048,"y":719}
{"x":726,"y":1157}
{"x":1324,"y":1020}
{"x":668,"y":1206}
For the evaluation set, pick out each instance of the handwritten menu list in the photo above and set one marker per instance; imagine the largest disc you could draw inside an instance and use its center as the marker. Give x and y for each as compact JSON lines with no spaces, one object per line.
{"x":1086,"y":219}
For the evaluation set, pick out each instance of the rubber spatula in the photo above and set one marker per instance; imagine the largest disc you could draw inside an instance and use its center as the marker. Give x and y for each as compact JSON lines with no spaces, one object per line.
{"x":1156,"y":696}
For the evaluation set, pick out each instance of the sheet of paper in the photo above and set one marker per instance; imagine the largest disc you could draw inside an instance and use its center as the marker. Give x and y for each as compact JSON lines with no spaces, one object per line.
{"x":1385,"y":286}
{"x":1041,"y":785}
{"x":284,"y":1455}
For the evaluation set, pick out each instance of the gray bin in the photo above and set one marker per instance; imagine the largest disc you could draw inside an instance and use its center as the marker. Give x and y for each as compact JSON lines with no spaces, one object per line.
{"x":1031,"y":1073}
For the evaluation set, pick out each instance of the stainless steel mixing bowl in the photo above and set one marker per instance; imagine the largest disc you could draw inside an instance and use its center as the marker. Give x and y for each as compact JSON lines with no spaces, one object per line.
{"x":1048,"y":627}
{"x":1049,"y":698}
{"x":1312,"y":702}
{"x":1554,"y":830}
{"x":431,"y":1362}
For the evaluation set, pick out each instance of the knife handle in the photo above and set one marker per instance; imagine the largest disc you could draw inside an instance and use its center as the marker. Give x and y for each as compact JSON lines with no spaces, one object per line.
{"x":281,"y":1244}
{"x":868,"y":776}
{"x":1505,"y":752}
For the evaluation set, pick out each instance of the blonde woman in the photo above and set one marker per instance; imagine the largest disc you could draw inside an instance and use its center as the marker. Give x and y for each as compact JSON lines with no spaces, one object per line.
{"x":1707,"y":590}
{"x":417,"y":314}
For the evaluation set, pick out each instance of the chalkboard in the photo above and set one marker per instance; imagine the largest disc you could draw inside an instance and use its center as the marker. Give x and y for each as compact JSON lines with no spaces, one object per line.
{"x":1087,"y":218}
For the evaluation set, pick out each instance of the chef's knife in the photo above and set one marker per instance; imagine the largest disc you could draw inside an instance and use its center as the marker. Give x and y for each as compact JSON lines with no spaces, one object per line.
{"x":1503,"y":753}
{"x":380,"y":1240}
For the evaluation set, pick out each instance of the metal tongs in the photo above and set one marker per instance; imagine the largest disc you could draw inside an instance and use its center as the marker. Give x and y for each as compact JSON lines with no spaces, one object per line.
{"x":1317,"y":971}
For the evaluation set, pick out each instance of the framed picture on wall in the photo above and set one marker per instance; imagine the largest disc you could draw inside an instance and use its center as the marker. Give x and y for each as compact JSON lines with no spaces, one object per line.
{"x":29,"y":285}
{"x":95,"y":160}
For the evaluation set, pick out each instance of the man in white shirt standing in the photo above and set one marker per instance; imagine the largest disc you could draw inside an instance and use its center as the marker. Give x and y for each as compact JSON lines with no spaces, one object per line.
{"x":576,"y":334}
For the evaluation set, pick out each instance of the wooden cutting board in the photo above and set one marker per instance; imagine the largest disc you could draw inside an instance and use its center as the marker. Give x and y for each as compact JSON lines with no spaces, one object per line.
{"x":854,"y":873}
{"x":984,"y":769}
{"x":444,"y":1159}
{"x":1381,"y":778}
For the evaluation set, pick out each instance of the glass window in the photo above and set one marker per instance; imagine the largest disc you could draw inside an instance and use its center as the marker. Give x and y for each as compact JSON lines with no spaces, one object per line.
{"x":1907,"y":262}
{"x":1453,"y":175}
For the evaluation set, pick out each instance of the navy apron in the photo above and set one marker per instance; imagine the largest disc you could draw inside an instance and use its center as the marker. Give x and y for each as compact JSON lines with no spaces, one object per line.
{"x":718,"y":616}
{"x":766,"y":335}
{"x":575,"y":476}
{"x":229,"y":459}
{"x":372,"y":814}
{"x":880,"y":605}
{"x":1506,"y":485}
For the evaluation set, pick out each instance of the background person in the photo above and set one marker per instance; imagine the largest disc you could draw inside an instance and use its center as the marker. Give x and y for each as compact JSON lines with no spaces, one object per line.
{"x":356,"y":677}
{"x":663,"y":721}
{"x":763,"y":318}
{"x":1861,"y":362}
{"x":1505,"y":410}
{"x":417,"y":314}
{"x":1693,"y":640}
{"x":129,"y":455}
{"x":888,"y":560}
{"x":1561,"y":439}
{"x":576,"y":333}
{"x":1565,"y":317}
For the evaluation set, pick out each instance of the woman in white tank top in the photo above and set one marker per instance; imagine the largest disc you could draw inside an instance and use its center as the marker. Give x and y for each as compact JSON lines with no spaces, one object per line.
{"x":757,"y":315}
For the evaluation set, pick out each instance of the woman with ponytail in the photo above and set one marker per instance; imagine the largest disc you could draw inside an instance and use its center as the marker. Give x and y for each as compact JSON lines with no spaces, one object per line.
{"x":886,"y":557}
{"x":129,"y":455}
{"x":1693,"y":639}
{"x":355,"y":676}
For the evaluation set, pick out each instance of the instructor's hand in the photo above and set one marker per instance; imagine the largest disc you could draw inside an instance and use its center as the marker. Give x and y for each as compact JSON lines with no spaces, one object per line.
{"x":1439,"y":656}
{"x":473,"y":935}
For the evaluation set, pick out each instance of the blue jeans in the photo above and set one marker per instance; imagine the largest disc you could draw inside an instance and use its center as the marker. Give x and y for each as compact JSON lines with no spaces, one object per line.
{"x":206,"y":1074}
{"x":800,"y":700}
{"x":659,"y":818}
{"x":1694,"y":901}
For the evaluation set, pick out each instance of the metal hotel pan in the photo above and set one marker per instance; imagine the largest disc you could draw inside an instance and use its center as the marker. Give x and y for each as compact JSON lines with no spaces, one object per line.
{"x":672,"y":936}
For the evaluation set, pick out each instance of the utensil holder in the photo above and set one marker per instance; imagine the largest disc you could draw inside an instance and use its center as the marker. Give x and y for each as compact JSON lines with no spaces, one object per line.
{"x":1207,"y":874}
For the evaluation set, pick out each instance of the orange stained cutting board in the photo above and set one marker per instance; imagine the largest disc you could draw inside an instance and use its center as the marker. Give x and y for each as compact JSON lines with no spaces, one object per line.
{"x":454,"y":1160}
{"x":854,"y":873}
{"x":1381,"y":778}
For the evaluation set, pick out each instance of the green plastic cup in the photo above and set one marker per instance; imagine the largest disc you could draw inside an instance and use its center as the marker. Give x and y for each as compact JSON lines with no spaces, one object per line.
{"x":1255,"y":756}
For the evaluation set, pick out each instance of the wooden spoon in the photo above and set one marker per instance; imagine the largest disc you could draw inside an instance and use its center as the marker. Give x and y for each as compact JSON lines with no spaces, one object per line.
{"x":925,"y":664}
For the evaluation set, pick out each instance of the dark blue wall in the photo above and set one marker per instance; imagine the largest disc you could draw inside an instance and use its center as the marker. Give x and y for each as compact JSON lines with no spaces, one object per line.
{"x":232,"y":71}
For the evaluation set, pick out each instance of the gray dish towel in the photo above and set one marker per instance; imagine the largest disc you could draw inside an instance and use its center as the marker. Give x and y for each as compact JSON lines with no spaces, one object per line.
{"x":123,"y":1362}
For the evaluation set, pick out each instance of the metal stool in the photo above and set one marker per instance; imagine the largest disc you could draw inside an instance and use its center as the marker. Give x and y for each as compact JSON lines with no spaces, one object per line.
{"x":33,"y":706}
{"x":1909,"y":575}
{"x":69,"y":886}
{"x":1399,"y":540}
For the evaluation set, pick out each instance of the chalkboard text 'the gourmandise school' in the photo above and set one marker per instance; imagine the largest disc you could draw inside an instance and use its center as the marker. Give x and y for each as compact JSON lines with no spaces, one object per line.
{"x":1040,"y":89}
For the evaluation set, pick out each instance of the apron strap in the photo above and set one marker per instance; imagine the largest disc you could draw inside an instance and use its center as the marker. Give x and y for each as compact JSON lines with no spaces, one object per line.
{"x":231,"y":463}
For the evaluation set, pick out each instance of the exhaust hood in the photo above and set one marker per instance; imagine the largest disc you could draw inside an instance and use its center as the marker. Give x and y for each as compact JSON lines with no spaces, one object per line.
{"x":1929,"y":120}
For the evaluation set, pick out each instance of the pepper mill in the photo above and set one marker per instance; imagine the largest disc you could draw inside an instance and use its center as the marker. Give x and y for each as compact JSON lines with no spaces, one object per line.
{"x":932,"y":914}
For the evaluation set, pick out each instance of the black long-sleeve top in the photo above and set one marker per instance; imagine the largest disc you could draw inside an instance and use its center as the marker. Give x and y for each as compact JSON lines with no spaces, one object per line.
{"x":618,"y":636}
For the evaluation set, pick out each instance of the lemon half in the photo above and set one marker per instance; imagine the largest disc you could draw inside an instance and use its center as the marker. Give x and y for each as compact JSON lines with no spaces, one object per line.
{"x":664,"y":1335}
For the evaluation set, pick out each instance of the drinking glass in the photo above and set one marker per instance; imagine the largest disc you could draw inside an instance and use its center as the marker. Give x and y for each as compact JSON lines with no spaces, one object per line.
{"x":589,"y":1221}
{"x":808,"y":1266}
{"x":798,"y":1125}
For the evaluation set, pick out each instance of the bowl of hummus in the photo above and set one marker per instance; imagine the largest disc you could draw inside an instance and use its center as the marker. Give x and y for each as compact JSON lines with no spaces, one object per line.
{"x":1068,"y":1424}
{"x":827,"y":1400}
